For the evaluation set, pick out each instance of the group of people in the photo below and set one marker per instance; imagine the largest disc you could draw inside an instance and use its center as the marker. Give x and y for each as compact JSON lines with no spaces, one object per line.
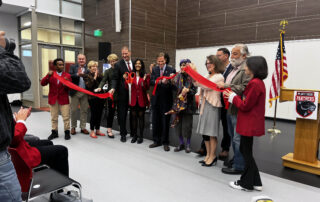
{"x":240,"y":77}
{"x":128,"y":82}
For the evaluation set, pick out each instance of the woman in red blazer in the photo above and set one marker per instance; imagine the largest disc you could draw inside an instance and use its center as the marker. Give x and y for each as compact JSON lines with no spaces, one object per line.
{"x":37,"y":152}
{"x":250,"y":120}
{"x":139,"y":100}
{"x":58,"y":99}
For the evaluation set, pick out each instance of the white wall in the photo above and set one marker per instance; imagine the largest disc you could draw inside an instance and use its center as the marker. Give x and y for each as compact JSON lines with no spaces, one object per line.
{"x":302,"y":56}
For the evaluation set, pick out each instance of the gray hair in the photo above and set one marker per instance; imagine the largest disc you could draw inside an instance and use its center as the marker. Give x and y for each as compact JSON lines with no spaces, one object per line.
{"x":243,"y":49}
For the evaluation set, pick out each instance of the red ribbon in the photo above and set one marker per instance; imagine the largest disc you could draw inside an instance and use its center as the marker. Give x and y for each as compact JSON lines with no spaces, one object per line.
{"x":160,"y":78}
{"x":77,"y":88}
{"x":196,"y":76}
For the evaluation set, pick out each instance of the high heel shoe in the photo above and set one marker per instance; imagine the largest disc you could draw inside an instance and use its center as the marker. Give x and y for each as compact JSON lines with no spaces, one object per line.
{"x":202,"y":161}
{"x":213,"y":163}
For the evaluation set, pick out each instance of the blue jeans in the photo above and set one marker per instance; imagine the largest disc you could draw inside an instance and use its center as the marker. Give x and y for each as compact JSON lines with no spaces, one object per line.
{"x":238,"y":161}
{"x":10,"y":190}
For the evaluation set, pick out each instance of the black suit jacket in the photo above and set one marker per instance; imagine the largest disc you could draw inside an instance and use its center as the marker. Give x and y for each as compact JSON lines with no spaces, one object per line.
{"x":118,"y":81}
{"x":74,"y":77}
{"x":164,"y":92}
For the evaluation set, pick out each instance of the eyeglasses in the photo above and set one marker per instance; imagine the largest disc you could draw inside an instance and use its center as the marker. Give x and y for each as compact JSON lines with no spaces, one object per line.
{"x":207,"y":63}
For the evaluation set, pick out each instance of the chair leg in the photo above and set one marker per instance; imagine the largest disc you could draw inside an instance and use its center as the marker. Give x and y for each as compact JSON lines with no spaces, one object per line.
{"x":78,"y":185}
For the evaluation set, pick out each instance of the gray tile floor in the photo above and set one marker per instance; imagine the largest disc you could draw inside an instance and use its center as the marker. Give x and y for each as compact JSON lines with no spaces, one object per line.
{"x":113,"y":171}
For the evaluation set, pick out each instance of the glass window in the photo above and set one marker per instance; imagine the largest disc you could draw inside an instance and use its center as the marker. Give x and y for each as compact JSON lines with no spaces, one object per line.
{"x":26,"y":58}
{"x":69,"y":38}
{"x":25,"y":35}
{"x":49,"y":36}
{"x":71,"y":9}
{"x":25,"y":20}
{"x":51,"y":6}
{"x":48,"y":21}
{"x":71,"y":25}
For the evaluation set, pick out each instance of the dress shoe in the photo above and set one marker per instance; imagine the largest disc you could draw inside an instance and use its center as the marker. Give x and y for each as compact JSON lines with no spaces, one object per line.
{"x":236,"y":185}
{"x":179,"y":148}
{"x":85,"y":131}
{"x":123,"y":139}
{"x":67,"y":135}
{"x":134,"y":139}
{"x":231,"y":171}
{"x":73,"y":131}
{"x":140,"y":140}
{"x":202,"y":161}
{"x":188,"y":149}
{"x":153,"y":145}
{"x":201,"y":152}
{"x":213,"y":163}
{"x":223,"y":155}
{"x":100,"y":134}
{"x":166,"y":148}
{"x":54,"y":134}
{"x":93,"y":135}
{"x":228,"y":163}
{"x":110,"y":135}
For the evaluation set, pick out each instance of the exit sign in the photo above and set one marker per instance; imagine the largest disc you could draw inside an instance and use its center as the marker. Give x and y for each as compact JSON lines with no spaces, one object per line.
{"x":97,"y":33}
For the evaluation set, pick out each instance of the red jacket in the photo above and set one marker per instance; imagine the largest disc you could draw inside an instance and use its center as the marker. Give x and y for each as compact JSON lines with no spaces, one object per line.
{"x":57,"y":91}
{"x":30,"y":155}
{"x":139,"y":92}
{"x":251,"y":109}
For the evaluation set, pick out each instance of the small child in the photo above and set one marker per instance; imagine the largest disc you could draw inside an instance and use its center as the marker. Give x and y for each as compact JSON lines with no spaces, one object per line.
{"x":250,"y":120}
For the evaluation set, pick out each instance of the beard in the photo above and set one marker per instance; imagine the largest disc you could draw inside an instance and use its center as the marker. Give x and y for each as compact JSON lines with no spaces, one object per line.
{"x":236,"y":62}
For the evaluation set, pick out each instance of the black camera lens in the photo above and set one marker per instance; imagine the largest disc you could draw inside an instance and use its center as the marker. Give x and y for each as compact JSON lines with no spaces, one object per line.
{"x":10,"y":45}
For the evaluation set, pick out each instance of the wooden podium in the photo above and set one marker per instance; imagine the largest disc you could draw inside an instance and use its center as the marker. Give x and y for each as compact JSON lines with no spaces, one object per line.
{"x":306,"y":140}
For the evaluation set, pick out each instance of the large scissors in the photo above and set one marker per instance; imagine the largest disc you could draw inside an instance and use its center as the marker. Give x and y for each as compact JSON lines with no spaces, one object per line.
{"x":129,"y":80}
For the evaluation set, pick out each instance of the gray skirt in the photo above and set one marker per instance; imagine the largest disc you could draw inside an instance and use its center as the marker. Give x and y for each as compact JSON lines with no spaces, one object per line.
{"x":209,"y":121}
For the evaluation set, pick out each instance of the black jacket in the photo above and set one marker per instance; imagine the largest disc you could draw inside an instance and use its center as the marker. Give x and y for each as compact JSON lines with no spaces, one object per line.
{"x":118,"y":81}
{"x":75,"y":78}
{"x":164,"y":92}
{"x":13,"y":79}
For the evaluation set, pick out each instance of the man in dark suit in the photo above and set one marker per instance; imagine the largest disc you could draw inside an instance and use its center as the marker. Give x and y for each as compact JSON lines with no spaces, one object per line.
{"x":161,"y":103}
{"x":224,"y":54}
{"x":77,"y":71}
{"x":119,"y":76}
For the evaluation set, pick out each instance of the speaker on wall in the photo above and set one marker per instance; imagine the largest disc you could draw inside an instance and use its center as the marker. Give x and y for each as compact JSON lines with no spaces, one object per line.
{"x":104,"y":50}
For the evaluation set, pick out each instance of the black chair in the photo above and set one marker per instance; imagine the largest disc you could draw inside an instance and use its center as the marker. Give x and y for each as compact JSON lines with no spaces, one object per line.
{"x":41,"y":180}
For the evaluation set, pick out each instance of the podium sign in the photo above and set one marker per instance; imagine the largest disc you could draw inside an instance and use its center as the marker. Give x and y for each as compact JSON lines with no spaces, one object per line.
{"x":306,"y":104}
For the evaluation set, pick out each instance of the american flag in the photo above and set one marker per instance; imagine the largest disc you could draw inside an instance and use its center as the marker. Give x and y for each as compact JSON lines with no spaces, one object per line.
{"x":281,"y":71}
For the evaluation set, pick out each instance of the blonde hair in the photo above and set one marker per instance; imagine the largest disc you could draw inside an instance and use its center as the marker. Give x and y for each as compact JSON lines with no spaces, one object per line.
{"x":92,"y":63}
{"x":112,"y":57}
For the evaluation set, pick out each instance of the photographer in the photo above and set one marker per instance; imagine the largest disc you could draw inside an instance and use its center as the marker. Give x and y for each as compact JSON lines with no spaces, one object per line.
{"x":13,"y":79}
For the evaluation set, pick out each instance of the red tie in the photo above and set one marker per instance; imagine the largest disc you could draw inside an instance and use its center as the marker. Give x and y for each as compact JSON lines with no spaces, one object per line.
{"x":129,"y":68}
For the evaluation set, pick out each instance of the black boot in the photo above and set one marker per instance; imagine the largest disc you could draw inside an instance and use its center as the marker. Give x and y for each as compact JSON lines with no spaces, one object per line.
{"x":140,"y":140}
{"x":54,"y":134}
{"x":134,"y":139}
{"x":67,"y":135}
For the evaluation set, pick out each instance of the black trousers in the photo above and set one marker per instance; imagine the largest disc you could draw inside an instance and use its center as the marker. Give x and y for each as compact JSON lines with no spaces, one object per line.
{"x":137,"y":119}
{"x":96,"y":108}
{"x":226,"y":140}
{"x":250,"y":176}
{"x":122,"y":116}
{"x":109,"y":112}
{"x":160,"y":125}
{"x":55,"y":156}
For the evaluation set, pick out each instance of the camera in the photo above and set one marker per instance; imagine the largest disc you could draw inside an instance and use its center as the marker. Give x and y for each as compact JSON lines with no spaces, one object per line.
{"x":10,"y":45}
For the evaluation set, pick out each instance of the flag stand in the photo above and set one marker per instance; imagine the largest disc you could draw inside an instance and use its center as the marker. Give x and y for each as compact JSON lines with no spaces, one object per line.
{"x":274,"y":132}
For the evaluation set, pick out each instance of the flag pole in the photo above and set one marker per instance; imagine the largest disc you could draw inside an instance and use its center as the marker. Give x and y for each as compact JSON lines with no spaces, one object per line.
{"x":274,"y":131}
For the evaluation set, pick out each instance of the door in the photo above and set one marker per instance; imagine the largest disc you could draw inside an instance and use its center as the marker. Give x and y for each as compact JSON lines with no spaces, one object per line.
{"x":70,"y":57}
{"x":46,"y":56}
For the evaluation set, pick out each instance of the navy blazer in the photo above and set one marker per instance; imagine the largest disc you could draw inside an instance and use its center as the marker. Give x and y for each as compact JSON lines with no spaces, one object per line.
{"x":164,"y":92}
{"x":75,"y":78}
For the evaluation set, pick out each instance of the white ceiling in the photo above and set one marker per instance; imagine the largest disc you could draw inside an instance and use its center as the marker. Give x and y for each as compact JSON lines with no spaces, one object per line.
{"x":11,"y":9}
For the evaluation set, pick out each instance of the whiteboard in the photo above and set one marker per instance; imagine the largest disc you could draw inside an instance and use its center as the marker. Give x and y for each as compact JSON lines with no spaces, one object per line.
{"x":302,"y":56}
